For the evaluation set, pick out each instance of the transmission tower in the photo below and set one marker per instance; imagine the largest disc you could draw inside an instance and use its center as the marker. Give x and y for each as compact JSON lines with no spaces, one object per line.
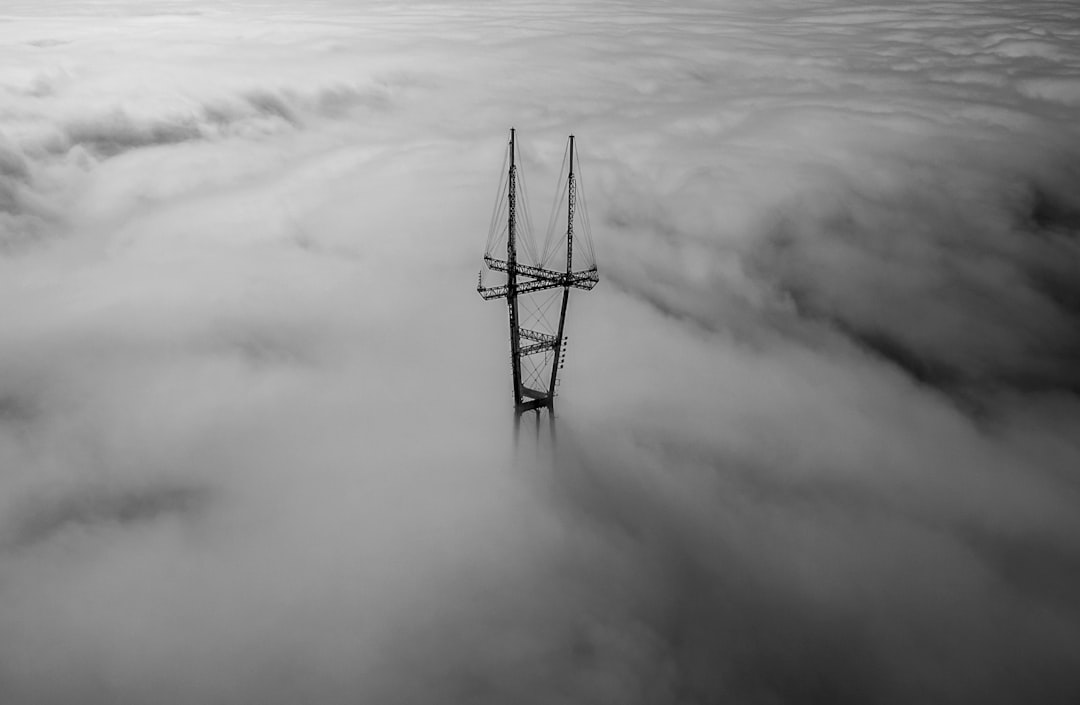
{"x":533,"y":280}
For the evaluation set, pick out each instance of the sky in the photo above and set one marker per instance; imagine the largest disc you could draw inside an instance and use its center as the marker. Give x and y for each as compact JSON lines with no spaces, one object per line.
{"x":818,"y":429}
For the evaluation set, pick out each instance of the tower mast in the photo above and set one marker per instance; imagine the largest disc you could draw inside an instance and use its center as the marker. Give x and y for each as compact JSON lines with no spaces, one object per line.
{"x":511,"y":274}
{"x":571,"y":193}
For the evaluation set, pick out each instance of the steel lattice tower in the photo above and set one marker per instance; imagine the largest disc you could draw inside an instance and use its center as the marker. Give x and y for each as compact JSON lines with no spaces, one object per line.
{"x":536,"y":355}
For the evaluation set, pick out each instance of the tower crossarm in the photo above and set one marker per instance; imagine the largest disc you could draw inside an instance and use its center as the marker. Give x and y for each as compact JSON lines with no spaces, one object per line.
{"x":537,"y":347}
{"x":541,"y":341}
{"x":500,"y":265}
{"x":537,"y":336}
{"x":585,"y":279}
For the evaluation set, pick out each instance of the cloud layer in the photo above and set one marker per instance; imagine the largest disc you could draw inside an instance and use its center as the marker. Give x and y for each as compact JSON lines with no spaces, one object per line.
{"x":817,"y":433}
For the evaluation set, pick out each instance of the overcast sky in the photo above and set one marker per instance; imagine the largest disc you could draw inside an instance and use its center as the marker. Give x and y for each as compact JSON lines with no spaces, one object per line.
{"x":819,"y":429}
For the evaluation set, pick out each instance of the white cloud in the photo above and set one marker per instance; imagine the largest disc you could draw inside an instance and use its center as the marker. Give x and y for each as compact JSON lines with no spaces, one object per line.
{"x":818,"y":424}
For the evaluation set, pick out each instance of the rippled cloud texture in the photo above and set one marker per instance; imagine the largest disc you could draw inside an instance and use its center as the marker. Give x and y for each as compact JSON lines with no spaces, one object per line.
{"x":819,"y":426}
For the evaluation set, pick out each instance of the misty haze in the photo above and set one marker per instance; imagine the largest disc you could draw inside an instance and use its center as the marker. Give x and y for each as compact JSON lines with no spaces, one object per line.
{"x":819,"y":423}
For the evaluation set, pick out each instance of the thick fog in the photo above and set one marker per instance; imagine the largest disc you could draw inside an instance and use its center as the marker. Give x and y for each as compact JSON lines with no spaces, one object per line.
{"x":819,"y":426}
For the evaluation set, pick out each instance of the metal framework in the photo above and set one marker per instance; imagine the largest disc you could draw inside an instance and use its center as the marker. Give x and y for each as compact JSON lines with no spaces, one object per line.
{"x":523,"y":279}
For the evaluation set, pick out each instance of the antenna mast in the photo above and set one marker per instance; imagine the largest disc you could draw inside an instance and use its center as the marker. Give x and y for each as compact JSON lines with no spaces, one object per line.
{"x":512,"y":272}
{"x":571,"y":194}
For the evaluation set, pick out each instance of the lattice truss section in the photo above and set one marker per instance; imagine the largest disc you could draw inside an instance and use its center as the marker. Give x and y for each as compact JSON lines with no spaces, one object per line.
{"x":539,"y":314}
